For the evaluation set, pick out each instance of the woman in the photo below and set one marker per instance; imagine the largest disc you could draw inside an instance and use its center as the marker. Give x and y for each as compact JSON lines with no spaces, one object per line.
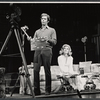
{"x":65,"y":60}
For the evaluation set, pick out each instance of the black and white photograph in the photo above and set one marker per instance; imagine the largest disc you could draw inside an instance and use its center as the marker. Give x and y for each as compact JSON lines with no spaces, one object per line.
{"x":49,"y":50}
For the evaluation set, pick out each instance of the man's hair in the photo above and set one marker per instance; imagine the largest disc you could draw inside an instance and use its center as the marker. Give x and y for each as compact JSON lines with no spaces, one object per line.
{"x":45,"y":14}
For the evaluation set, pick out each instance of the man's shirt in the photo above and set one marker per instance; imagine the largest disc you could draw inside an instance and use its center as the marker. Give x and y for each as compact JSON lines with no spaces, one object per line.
{"x":48,"y":32}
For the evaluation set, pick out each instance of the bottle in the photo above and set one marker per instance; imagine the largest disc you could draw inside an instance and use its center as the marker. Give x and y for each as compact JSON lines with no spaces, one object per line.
{"x":81,"y":70}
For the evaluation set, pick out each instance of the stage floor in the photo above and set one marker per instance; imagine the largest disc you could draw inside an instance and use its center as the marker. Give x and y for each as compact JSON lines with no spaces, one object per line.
{"x":84,"y":95}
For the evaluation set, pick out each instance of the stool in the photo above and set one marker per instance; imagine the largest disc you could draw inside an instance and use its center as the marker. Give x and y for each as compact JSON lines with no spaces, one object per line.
{"x":65,"y":85}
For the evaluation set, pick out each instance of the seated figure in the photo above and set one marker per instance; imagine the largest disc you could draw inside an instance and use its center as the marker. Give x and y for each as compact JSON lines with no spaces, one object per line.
{"x":65,"y":62}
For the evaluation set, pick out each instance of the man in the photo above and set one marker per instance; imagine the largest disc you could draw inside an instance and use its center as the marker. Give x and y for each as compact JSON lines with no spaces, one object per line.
{"x":45,"y":39}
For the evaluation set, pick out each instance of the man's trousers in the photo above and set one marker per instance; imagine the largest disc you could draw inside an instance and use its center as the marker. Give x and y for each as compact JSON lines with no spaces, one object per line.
{"x":42,"y":57}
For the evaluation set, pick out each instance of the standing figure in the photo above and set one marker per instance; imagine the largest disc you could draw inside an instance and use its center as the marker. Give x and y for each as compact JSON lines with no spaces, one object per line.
{"x":45,"y":38}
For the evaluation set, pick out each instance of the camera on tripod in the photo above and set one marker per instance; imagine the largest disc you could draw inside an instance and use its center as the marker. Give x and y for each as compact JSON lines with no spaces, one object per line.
{"x":14,"y":15}
{"x":14,"y":18}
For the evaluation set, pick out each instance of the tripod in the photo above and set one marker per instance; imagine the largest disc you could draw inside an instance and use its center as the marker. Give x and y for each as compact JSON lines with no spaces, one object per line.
{"x":15,"y":29}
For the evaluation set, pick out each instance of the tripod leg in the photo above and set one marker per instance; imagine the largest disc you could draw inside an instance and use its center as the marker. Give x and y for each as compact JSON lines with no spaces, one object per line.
{"x":78,"y":92}
{"x":6,"y":41}
{"x":14,"y":86}
{"x":24,"y":60}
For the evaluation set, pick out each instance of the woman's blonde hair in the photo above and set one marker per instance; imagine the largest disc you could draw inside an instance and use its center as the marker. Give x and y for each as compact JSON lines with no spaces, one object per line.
{"x":62,"y":50}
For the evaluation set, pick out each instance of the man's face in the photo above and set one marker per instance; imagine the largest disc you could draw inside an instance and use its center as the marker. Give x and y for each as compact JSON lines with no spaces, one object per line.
{"x":44,"y":20}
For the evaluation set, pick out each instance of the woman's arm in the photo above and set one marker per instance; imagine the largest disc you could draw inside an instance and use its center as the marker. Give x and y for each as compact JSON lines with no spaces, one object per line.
{"x":71,"y":70}
{"x":61,"y":63}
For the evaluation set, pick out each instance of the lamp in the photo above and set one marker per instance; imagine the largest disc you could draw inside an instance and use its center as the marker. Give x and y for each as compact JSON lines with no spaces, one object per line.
{"x":84,"y":41}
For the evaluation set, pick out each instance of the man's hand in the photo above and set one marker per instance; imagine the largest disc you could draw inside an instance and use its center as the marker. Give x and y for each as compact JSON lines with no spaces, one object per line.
{"x":29,"y":38}
{"x":44,"y":39}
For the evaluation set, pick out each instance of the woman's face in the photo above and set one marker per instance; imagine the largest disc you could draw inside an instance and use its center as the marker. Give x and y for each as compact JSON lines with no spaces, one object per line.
{"x":66,"y":50}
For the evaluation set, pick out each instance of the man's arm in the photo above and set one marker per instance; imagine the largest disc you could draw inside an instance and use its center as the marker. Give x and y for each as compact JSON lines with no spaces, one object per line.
{"x":32,"y":39}
{"x":53,"y":39}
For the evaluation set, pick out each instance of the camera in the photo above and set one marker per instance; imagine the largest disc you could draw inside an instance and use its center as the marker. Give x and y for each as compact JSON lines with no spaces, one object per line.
{"x":14,"y":15}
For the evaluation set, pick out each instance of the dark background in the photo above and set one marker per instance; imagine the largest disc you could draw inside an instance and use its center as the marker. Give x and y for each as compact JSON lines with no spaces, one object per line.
{"x":71,"y":22}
